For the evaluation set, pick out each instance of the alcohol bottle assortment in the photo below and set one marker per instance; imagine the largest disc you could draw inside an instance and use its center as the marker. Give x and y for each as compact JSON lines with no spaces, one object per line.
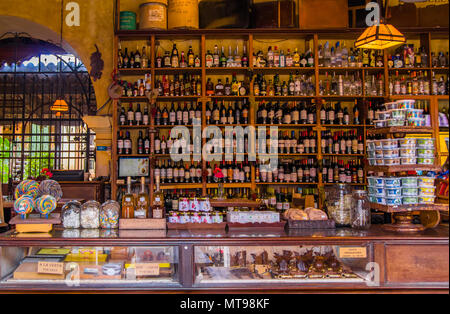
{"x":179,"y":85}
{"x":227,"y":112}
{"x":233,"y":172}
{"x":338,"y":115}
{"x":137,"y":205}
{"x":301,"y":112}
{"x":132,"y":117}
{"x":414,"y":83}
{"x":275,"y":58}
{"x":407,"y":57}
{"x":340,"y":56}
{"x":441,"y":86}
{"x":290,"y":143}
{"x":341,"y":85}
{"x":175,"y":60}
{"x":439,"y":59}
{"x":218,"y":59}
{"x":231,"y":87}
{"x":298,"y":85}
{"x":335,"y":170}
{"x":138,"y":89}
{"x":178,"y":114}
{"x":279,"y":199}
{"x":289,"y":171}
{"x":342,"y":143}
{"x":134,"y":60}
{"x":178,"y":172}
{"x":125,"y":144}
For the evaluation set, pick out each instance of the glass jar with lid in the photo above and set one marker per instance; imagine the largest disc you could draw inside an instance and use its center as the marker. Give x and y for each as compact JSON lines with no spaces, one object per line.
{"x":109,"y":215}
{"x":360,"y":210}
{"x":338,"y":200}
{"x":90,"y":215}
{"x":70,"y":214}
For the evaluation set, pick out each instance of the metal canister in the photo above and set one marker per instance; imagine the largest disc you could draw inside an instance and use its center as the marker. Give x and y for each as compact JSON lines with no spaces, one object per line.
{"x":153,"y":15}
{"x":127,"y":20}
{"x":183,"y":14}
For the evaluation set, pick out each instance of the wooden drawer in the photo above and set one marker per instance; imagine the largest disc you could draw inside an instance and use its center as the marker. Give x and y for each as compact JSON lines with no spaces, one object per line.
{"x":417,"y":264}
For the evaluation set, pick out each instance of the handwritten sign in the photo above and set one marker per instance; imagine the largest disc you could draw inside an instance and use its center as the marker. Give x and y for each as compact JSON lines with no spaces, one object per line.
{"x":352,"y":252}
{"x":52,"y":268}
{"x":147,"y":269}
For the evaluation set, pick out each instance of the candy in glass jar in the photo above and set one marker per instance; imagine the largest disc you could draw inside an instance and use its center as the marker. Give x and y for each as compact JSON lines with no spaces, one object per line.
{"x":360,"y":210}
{"x":109,"y":215}
{"x":71,"y":215}
{"x":90,"y":215}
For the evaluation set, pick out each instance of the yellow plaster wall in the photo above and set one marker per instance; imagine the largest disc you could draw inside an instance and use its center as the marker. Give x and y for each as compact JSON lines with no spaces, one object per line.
{"x":96,"y":27}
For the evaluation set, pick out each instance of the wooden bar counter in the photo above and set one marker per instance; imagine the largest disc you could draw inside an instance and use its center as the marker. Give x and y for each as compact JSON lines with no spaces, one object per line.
{"x":407,"y":263}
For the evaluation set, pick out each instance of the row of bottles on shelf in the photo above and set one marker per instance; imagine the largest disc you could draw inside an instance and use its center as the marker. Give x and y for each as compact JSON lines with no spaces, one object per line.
{"x":340,"y":56}
{"x":407,"y":56}
{"x":414,"y":83}
{"x":125,"y":144}
{"x":180,"y":115}
{"x":300,"y":85}
{"x":339,"y":171}
{"x":227,"y":112}
{"x":280,"y":198}
{"x":175,"y":86}
{"x":302,"y":112}
{"x":338,"y":115}
{"x":279,"y":59}
{"x":289,"y":171}
{"x":418,"y":83}
{"x":342,"y":143}
{"x":131,"y":118}
{"x":230,"y":88}
{"x":218,"y":59}
{"x":138,"y":89}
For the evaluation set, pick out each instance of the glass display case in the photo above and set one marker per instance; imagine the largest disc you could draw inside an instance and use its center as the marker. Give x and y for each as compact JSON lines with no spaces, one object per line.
{"x":88,"y":266}
{"x":294,"y":264}
{"x":217,"y":260}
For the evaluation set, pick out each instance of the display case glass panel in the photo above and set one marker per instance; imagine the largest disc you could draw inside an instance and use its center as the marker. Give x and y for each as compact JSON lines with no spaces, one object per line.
{"x":282,"y":264}
{"x":81,"y":266}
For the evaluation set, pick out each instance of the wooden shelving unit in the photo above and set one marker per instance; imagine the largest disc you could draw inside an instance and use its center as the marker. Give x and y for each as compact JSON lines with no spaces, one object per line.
{"x":250,"y":36}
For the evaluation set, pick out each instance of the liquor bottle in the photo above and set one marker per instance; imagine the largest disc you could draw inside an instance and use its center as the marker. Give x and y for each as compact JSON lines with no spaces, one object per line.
{"x":130,"y":116}
{"x":140,"y":144}
{"x":244,"y":59}
{"x":142,"y":203}
{"x":191,"y":58}
{"x":122,"y":117}
{"x":158,"y":202}
{"x":127,"y":144}
{"x":120,"y":144}
{"x":174,"y":59}
{"x":128,"y":202}
{"x":144,"y":59}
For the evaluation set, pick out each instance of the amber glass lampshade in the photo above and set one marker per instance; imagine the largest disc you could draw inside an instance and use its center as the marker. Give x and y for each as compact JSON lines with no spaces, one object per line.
{"x":380,"y":36}
{"x":60,"y":105}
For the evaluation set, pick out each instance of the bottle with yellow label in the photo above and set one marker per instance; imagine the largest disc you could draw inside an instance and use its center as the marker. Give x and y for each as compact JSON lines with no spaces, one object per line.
{"x":142,"y":203}
{"x":128,"y":202}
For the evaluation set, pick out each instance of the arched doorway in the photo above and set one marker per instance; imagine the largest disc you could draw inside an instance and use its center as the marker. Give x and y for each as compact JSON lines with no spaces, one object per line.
{"x":35,"y":134}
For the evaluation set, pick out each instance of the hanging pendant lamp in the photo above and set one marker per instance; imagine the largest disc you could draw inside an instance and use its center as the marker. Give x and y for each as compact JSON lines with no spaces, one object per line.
{"x":380,"y":36}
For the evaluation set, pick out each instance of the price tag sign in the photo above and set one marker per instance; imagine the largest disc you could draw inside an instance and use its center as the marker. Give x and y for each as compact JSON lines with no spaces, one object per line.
{"x":147,"y":269}
{"x":52,"y":268}
{"x":353,"y":252}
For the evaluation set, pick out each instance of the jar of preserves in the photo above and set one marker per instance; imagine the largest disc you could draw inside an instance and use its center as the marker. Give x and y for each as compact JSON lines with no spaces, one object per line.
{"x":109,"y":215}
{"x":70,"y":214}
{"x":360,"y":210}
{"x":339,"y":203}
{"x":90,"y":215}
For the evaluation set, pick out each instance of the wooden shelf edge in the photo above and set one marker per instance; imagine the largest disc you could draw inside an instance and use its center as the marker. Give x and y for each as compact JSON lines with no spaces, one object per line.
{"x":403,"y":168}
